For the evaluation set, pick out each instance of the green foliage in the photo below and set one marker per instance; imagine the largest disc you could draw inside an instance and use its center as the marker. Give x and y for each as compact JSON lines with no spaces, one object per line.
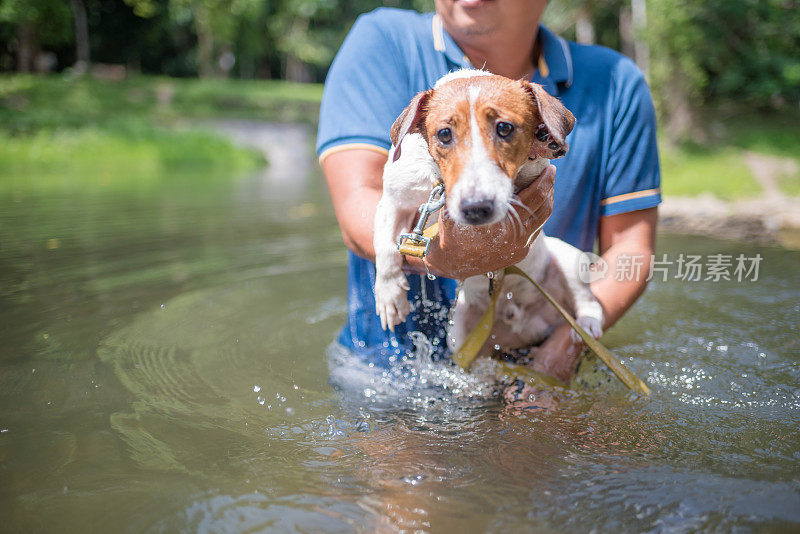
{"x":32,"y":103}
{"x":675,"y":42}
{"x":701,"y":53}
{"x":52,"y":18}
{"x":274,"y":39}
{"x":729,"y":50}
{"x":143,"y":8}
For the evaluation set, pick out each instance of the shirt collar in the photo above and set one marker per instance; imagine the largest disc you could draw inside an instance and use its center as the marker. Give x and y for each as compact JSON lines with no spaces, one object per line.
{"x":555,"y":63}
{"x":445,"y":44}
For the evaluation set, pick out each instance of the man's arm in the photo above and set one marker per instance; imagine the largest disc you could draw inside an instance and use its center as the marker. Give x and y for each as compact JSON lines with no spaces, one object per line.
{"x":631,"y":236}
{"x":626,"y":235}
{"x":355,"y":182}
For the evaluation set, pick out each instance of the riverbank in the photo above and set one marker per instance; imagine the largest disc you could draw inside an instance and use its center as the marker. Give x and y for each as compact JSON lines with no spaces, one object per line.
{"x":770,"y":215}
{"x":764,"y":221}
{"x":89,"y":132}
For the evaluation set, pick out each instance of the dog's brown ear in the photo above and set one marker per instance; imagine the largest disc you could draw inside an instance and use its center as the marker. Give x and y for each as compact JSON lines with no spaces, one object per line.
{"x":556,"y":122}
{"x":411,"y":119}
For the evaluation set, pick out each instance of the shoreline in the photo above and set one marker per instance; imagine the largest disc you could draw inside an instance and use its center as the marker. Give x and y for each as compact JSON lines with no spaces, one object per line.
{"x":769,"y":220}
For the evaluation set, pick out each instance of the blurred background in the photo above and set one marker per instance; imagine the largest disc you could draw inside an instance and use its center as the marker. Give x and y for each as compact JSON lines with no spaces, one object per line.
{"x":725,"y":74}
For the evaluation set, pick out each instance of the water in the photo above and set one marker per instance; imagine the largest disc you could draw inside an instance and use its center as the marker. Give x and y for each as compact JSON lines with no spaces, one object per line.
{"x":165,"y":367}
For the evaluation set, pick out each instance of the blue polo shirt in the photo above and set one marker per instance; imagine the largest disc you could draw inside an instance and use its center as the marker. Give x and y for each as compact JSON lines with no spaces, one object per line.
{"x":612,"y":166}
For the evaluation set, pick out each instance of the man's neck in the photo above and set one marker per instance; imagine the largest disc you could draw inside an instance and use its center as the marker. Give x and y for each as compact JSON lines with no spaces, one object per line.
{"x":512,"y":56}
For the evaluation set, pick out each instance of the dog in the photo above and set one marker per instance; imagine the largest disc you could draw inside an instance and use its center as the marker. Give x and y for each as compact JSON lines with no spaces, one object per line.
{"x":483,"y":136}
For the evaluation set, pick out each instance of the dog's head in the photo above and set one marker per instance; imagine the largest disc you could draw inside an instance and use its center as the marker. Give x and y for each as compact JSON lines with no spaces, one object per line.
{"x":481,"y":129}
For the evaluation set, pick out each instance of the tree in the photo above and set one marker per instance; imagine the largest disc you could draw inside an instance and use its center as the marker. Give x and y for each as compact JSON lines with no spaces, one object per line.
{"x":81,"y":34}
{"x":215,"y":23}
{"x":37,"y":22}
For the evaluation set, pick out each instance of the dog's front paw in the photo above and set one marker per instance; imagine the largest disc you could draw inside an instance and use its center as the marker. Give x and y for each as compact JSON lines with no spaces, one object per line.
{"x":391,"y":301}
{"x":592,"y":325}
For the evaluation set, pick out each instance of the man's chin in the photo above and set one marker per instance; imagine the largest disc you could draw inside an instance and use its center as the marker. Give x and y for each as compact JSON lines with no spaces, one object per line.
{"x":474,"y":17}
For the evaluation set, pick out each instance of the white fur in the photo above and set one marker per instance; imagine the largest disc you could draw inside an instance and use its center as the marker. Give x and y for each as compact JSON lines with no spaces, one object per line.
{"x":407,"y":183}
{"x":460,"y":73}
{"x":481,"y":178}
{"x":588,"y":311}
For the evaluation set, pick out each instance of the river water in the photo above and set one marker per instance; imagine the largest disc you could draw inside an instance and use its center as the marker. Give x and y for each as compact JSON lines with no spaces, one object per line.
{"x":165,"y":368}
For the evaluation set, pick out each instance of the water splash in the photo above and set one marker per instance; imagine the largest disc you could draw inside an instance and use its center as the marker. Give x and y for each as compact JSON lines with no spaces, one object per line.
{"x":416,"y":378}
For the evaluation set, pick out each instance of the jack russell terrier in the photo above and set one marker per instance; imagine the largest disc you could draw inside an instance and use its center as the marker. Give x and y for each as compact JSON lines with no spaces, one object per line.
{"x":484,"y":136}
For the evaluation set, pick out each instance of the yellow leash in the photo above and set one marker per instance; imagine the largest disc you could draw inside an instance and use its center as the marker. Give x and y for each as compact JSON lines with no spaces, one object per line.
{"x":623,"y":373}
{"x":467,"y":353}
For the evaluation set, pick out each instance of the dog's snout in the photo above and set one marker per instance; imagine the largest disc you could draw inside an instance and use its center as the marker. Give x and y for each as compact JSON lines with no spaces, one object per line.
{"x":477,"y":211}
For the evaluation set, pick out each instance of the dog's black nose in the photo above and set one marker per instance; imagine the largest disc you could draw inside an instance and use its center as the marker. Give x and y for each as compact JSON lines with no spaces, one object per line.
{"x":477,"y":211}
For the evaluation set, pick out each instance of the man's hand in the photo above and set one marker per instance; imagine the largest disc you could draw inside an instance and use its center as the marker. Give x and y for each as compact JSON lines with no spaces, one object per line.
{"x":462,"y":251}
{"x":558,"y":355}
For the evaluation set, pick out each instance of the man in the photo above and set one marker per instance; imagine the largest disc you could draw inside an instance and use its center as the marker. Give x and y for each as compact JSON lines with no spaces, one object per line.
{"x":608,"y":183}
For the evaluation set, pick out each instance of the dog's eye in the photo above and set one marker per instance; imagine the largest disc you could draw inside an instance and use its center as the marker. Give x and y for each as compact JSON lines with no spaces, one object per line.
{"x":444,"y":135}
{"x":504,"y":129}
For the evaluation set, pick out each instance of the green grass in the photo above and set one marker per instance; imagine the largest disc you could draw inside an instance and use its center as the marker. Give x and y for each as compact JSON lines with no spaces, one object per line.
{"x":789,"y":184}
{"x":692,"y":170}
{"x":268,"y":100}
{"x":772,"y":134}
{"x":130,"y":158}
{"x":62,"y":130}
{"x":776,"y":134}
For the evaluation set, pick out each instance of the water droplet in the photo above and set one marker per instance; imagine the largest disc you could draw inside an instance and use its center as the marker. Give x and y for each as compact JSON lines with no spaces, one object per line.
{"x":289,"y":410}
{"x":431,"y":277}
{"x":490,"y":275}
{"x":163,"y":306}
{"x":256,"y":389}
{"x":497,"y":347}
{"x":509,"y":295}
{"x":261,"y":400}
